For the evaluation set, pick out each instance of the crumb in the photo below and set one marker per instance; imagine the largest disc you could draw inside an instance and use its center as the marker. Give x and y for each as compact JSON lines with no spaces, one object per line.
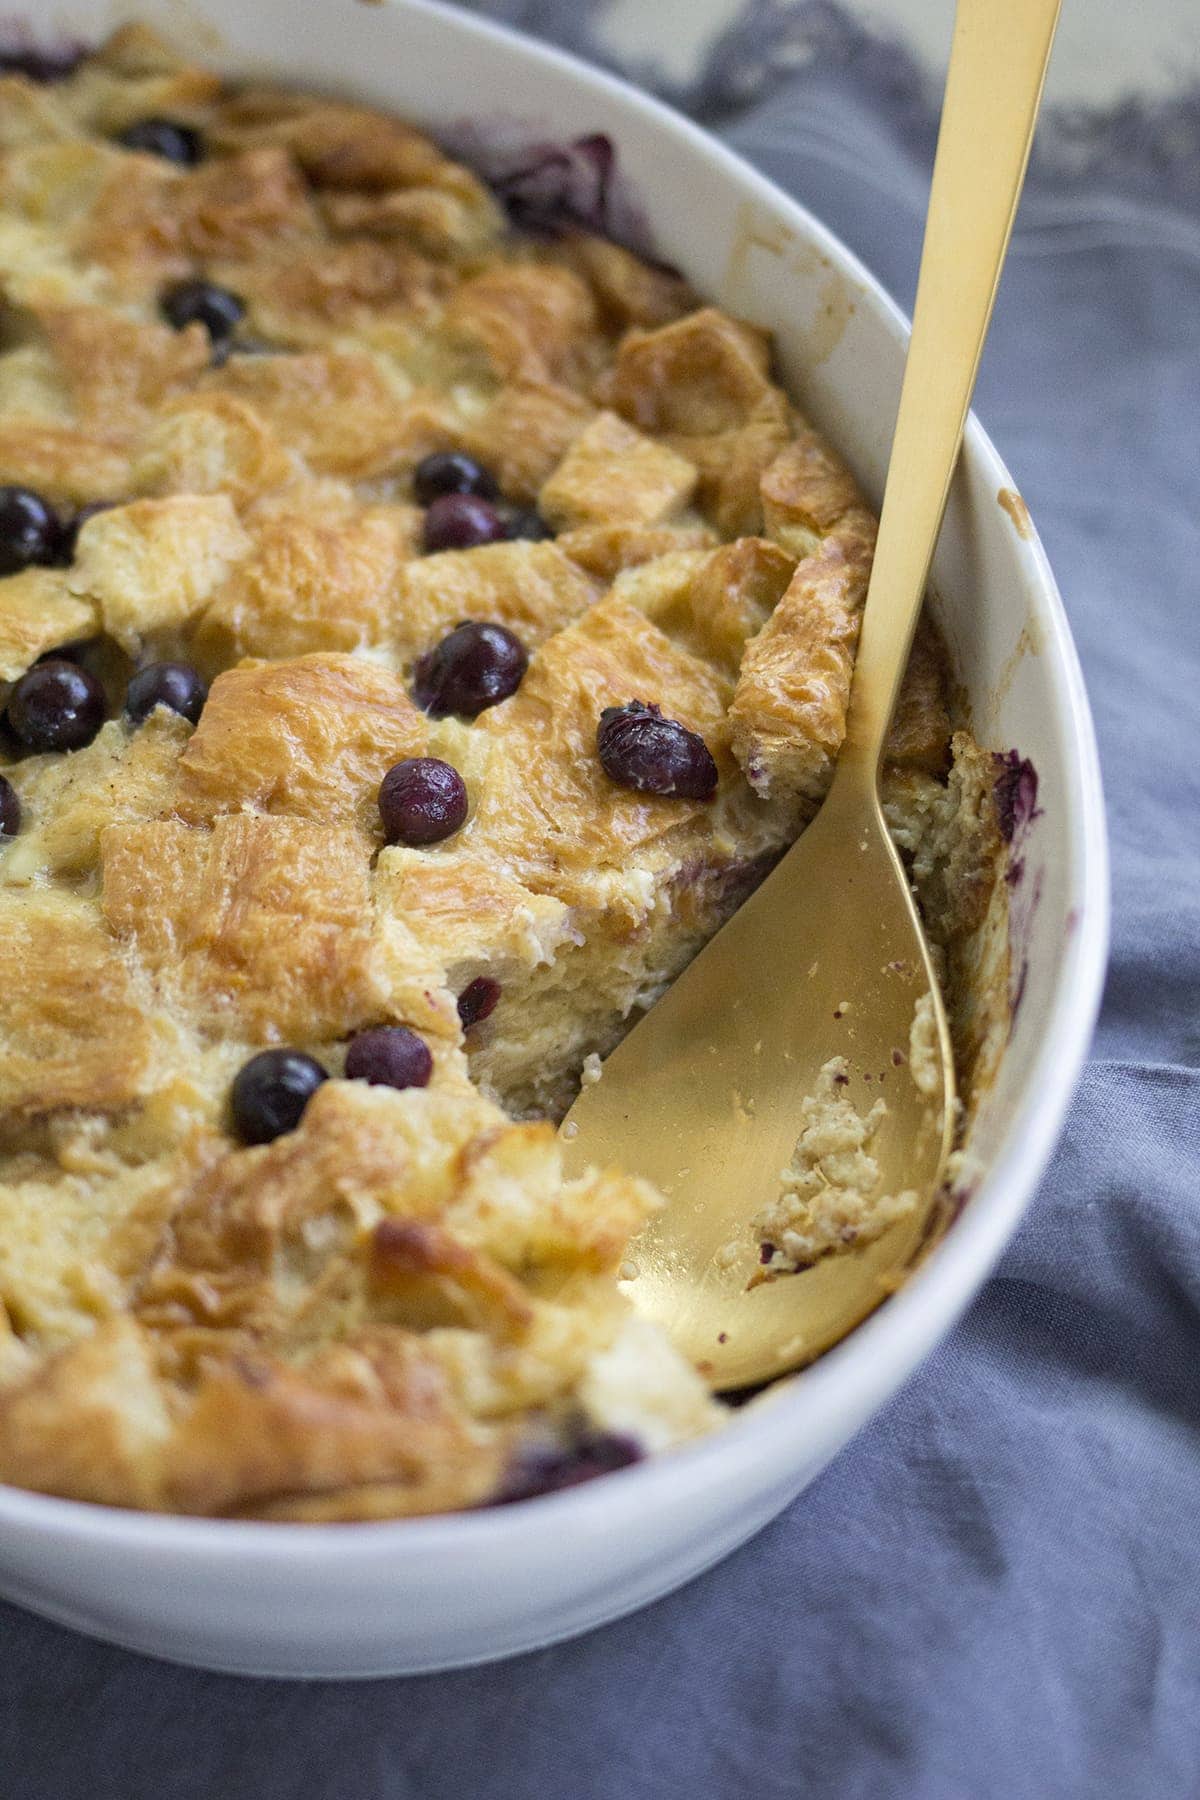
{"x":924,"y":1060}
{"x":827,"y":1201}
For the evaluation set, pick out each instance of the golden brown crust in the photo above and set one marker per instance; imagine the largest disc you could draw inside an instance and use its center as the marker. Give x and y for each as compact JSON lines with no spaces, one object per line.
{"x":789,"y":707}
{"x":547,"y":808}
{"x":60,"y":461}
{"x":153,"y":565}
{"x":311,"y":737}
{"x":319,"y":575}
{"x":371,"y":1315}
{"x":533,"y":588}
{"x":261,"y":927}
{"x":66,"y":802}
{"x":614,"y":475}
{"x":699,"y":376}
{"x":337,"y":410}
{"x":789,"y":710}
{"x":702,"y":383}
{"x":734,"y":593}
{"x":71,"y":1027}
{"x":38,"y":613}
{"x":919,"y":736}
{"x":203,"y":443}
{"x":525,"y":322}
{"x":607,"y":550}
{"x":628,"y":290}
{"x":524,"y":434}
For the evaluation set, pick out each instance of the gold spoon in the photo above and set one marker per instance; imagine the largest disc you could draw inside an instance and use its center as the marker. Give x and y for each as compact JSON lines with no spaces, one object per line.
{"x":828,"y":957}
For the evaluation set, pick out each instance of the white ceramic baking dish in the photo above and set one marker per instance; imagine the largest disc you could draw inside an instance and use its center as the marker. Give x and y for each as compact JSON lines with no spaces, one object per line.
{"x":368,"y":1599}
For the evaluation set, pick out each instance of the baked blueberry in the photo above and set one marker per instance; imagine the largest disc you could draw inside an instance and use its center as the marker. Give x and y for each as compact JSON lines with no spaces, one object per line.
{"x":460,"y":522}
{"x":528,"y":524}
{"x":203,"y":303}
{"x":175,"y":143}
{"x":548,"y":1468}
{"x":42,"y":66}
{"x":478,"y":1001}
{"x":452,"y":472}
{"x":640,"y":749}
{"x":56,"y":705}
{"x":421,"y":801}
{"x":474,"y":667}
{"x":389,"y":1056}
{"x":173,"y":684}
{"x":29,"y":530}
{"x":270,"y":1093}
{"x":10,"y":809}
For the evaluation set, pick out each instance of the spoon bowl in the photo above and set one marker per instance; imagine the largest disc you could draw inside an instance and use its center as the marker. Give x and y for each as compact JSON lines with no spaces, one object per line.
{"x":826,"y":959}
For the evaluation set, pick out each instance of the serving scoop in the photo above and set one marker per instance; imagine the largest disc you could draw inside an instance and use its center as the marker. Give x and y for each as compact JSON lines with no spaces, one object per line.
{"x":828,"y":959}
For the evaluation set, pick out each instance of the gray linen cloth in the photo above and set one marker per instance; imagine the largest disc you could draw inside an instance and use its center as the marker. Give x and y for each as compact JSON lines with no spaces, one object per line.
{"x":994,"y":1591}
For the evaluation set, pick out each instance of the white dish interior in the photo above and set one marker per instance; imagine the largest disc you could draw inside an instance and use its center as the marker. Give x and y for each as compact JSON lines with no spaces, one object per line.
{"x":423,"y":1594}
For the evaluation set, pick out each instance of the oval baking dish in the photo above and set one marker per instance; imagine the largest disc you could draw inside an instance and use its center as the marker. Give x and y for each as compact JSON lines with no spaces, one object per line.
{"x":421,"y":1594}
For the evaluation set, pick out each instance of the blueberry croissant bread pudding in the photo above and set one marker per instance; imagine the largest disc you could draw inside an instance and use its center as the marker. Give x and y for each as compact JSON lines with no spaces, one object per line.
{"x":417,"y":636}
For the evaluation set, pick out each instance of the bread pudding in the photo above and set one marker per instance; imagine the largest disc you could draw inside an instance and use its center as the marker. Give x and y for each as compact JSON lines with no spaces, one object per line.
{"x":418,"y":635}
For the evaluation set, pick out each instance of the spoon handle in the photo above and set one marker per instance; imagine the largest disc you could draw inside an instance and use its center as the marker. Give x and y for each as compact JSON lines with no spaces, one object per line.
{"x":997,"y":67}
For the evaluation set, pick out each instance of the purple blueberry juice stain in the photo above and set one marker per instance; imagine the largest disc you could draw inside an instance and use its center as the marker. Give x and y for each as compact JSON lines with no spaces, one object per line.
{"x":720,"y":887}
{"x":548,"y":1468}
{"x":41,"y":59}
{"x":557,"y":187}
{"x":1020,"y":929}
{"x":549,"y":186}
{"x":1016,"y":792}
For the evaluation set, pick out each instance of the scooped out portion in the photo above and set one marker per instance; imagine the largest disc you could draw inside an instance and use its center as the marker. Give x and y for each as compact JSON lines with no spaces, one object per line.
{"x":417,"y":637}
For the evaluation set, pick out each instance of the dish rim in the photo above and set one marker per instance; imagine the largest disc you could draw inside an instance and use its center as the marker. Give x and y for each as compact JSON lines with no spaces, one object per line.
{"x":858,"y":1375}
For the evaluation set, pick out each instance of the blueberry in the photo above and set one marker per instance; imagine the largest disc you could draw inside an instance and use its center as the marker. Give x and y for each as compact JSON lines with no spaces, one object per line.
{"x":452,"y":472}
{"x":473,"y":668}
{"x":460,"y":522}
{"x":529,"y":524}
{"x":203,"y":303}
{"x":10,"y":809}
{"x":270,"y":1093}
{"x":56,"y":705}
{"x":640,"y":749}
{"x":421,"y":801}
{"x":389,"y":1056}
{"x":478,"y":1001}
{"x":29,"y":530}
{"x":69,"y":530}
{"x":548,"y":1468}
{"x":172,"y":684}
{"x":163,"y":137}
{"x":43,"y":66}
